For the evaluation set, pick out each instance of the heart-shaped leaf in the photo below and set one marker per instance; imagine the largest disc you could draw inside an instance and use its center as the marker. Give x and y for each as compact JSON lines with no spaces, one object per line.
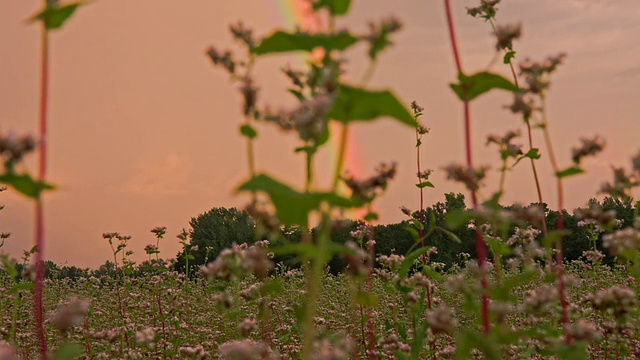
{"x":25,"y":184}
{"x":55,"y":15}
{"x":358,"y":104}
{"x":470,"y":87}
{"x":293,"y":207}
{"x":335,"y":7}
{"x":281,"y":41}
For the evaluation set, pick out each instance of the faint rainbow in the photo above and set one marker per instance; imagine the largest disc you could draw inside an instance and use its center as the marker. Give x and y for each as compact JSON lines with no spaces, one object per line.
{"x":298,"y":13}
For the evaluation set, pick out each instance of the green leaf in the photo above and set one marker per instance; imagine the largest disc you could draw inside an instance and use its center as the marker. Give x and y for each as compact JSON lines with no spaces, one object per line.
{"x":417,"y":345}
{"x":281,"y":41}
{"x":458,"y":217}
{"x":505,"y":290}
{"x":365,"y":299}
{"x":25,"y":184}
{"x":414,"y":233}
{"x":293,"y":207}
{"x":272,"y":286}
{"x":54,"y":15}
{"x":67,"y":351}
{"x":358,"y":104}
{"x":508,"y":56}
{"x":302,"y":250}
{"x":574,"y":351}
{"x":371,"y":216}
{"x":402,"y":331}
{"x":248,"y":131}
{"x":552,"y":238}
{"x":570,"y":171}
{"x":21,"y":286}
{"x":497,"y":246}
{"x":432,"y":274}
{"x":452,"y":236}
{"x":305,"y":149}
{"x":8,"y":266}
{"x":417,"y":224}
{"x":468,"y":339}
{"x":297,"y":94}
{"x":533,"y":154}
{"x":470,"y":87}
{"x":335,"y":7}
{"x":409,"y":259}
{"x":425,"y":184}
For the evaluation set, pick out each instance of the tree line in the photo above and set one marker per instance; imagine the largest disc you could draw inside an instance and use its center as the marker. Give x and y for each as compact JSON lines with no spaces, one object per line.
{"x":220,"y":228}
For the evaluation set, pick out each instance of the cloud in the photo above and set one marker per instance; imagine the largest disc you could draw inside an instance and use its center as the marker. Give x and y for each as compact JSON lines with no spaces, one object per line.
{"x":167,"y":177}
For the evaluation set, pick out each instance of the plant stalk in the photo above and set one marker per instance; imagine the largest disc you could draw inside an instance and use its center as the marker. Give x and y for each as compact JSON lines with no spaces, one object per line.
{"x":38,"y":311}
{"x":530,"y":138}
{"x":562,"y":290}
{"x":480,"y":243}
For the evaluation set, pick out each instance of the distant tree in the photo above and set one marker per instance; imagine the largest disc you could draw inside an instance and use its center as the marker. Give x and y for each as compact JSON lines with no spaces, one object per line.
{"x":108,"y":269}
{"x":73,"y":272}
{"x":215,"y":230}
{"x":624,"y":209}
{"x":291,"y":234}
{"x":51,"y":270}
{"x":448,"y":249}
{"x":341,"y":233}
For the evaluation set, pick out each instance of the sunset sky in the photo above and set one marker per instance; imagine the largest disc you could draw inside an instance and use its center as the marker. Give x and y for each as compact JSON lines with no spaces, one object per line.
{"x":144,"y":130}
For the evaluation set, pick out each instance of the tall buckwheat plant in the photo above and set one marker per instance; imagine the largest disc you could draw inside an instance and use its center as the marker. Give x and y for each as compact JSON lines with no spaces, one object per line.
{"x":52,"y":17}
{"x":323,"y":96}
{"x":492,"y":226}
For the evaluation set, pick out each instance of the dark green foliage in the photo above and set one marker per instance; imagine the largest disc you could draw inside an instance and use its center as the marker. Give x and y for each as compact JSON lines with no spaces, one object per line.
{"x":290,"y":235}
{"x":216,"y":230}
{"x":219,"y":228}
{"x":448,"y":250}
{"x":340,"y":235}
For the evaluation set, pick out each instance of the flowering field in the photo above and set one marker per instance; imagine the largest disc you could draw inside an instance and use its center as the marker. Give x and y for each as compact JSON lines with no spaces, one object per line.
{"x":248,"y":316}
{"x":515,"y":295}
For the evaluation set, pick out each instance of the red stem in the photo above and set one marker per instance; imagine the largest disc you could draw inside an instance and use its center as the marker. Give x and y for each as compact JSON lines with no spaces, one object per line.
{"x":39,"y":216}
{"x":452,"y":34}
{"x":480,"y":244}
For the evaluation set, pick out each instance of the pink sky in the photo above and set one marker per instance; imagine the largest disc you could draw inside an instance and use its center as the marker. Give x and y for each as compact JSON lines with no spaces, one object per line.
{"x":143,"y":130}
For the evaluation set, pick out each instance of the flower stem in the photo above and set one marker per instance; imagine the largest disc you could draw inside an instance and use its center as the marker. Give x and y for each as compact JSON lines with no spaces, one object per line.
{"x":39,"y":210}
{"x":530,"y":138}
{"x":480,"y":243}
{"x":535,"y":177}
{"x":341,"y":154}
{"x":564,"y":317}
{"x":314,"y":284}
{"x":420,"y":230}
